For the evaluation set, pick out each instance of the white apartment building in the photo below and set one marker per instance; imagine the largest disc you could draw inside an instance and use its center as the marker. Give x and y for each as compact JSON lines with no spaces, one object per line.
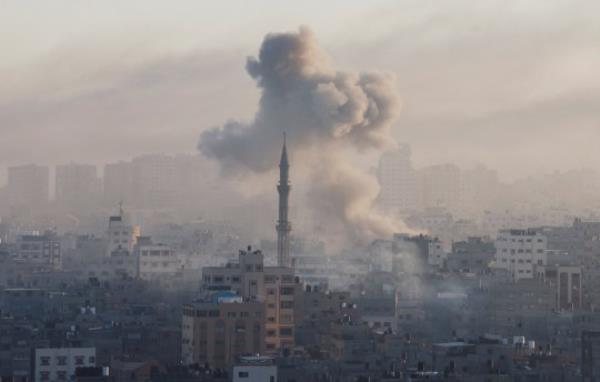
{"x":155,"y":260}
{"x":122,"y":235}
{"x":59,"y":364}
{"x":520,"y":251}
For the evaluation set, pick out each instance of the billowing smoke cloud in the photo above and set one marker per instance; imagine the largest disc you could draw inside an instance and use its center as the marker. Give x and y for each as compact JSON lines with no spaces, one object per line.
{"x":329,"y":116}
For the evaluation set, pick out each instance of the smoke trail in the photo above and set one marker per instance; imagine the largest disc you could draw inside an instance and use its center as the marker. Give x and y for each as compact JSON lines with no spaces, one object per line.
{"x":329,"y":115}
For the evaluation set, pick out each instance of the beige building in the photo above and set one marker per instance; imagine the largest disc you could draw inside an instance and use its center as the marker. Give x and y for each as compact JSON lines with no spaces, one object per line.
{"x":276,"y":287}
{"x":221,"y":329}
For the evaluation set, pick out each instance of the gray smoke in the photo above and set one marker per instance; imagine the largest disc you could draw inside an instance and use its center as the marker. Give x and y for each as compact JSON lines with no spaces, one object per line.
{"x":329,"y":116}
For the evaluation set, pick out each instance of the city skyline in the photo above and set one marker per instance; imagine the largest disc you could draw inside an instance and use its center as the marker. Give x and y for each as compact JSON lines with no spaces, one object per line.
{"x":535,"y":96}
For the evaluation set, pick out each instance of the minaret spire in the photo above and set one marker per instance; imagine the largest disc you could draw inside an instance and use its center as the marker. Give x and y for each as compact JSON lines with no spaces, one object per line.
{"x":283,"y":225}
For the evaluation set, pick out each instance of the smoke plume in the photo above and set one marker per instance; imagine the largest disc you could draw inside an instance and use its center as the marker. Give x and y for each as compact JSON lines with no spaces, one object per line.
{"x":329,"y":116}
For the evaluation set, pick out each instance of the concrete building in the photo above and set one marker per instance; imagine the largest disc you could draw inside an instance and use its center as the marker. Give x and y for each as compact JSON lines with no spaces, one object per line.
{"x":77,"y":186}
{"x":222,"y":328}
{"x":155,"y":260}
{"x":568,"y":283}
{"x":436,"y":256}
{"x":274,"y":286}
{"x":520,"y":251}
{"x":472,"y":255}
{"x":255,"y":369}
{"x":28,"y":186}
{"x":569,"y":288}
{"x":398,"y":182}
{"x":59,"y":364}
{"x":590,"y":356}
{"x":122,"y":235}
{"x":44,"y":250}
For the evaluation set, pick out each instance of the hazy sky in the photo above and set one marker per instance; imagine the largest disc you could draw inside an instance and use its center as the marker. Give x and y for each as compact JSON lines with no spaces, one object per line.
{"x":511,"y":84}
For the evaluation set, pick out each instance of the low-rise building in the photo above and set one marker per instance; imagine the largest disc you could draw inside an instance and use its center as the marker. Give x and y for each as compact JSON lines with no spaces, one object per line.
{"x":60,"y":364}
{"x":255,"y":369}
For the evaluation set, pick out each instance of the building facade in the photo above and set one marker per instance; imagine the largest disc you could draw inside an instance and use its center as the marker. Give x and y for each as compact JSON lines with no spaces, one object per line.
{"x":398,"y":182}
{"x":59,"y":364}
{"x":520,"y":251}
{"x":222,"y":328}
{"x":44,"y":250}
{"x":276,"y":287}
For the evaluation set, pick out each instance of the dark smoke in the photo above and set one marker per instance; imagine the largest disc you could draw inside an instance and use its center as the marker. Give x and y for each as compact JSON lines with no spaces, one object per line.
{"x":329,"y":116}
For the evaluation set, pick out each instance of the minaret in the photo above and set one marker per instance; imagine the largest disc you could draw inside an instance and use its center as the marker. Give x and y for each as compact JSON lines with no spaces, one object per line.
{"x":283,"y":225}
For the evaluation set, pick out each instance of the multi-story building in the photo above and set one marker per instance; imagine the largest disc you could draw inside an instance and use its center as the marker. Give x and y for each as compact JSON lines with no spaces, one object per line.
{"x":276,"y":287}
{"x":472,"y":255}
{"x":44,"y":250}
{"x":568,"y":282}
{"x":222,"y":328}
{"x":122,"y":235}
{"x":520,"y":251}
{"x":155,"y":260}
{"x":28,"y":186}
{"x":397,"y":179}
{"x":77,"y":186}
{"x":436,"y":256}
{"x":590,"y":355}
{"x":59,"y":364}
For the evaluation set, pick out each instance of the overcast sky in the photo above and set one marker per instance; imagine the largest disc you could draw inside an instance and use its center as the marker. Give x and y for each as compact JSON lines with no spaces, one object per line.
{"x":514,"y":85}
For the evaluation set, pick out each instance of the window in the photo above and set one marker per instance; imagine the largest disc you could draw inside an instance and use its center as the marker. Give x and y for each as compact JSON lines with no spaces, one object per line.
{"x":61,"y":375}
{"x":269,"y":279}
{"x":61,"y":360}
{"x":45,"y":361}
{"x":45,"y":375}
{"x":243,"y":374}
{"x":79,"y":359}
{"x":287,"y":304}
{"x":287,"y":332}
{"x":286,"y":291}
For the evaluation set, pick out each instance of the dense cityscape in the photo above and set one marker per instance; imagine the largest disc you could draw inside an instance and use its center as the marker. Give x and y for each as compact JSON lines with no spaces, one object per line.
{"x":341,"y":191}
{"x":114,"y":279}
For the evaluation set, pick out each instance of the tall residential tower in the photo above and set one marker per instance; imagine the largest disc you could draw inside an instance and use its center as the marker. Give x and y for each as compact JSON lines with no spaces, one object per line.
{"x":283,"y":225}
